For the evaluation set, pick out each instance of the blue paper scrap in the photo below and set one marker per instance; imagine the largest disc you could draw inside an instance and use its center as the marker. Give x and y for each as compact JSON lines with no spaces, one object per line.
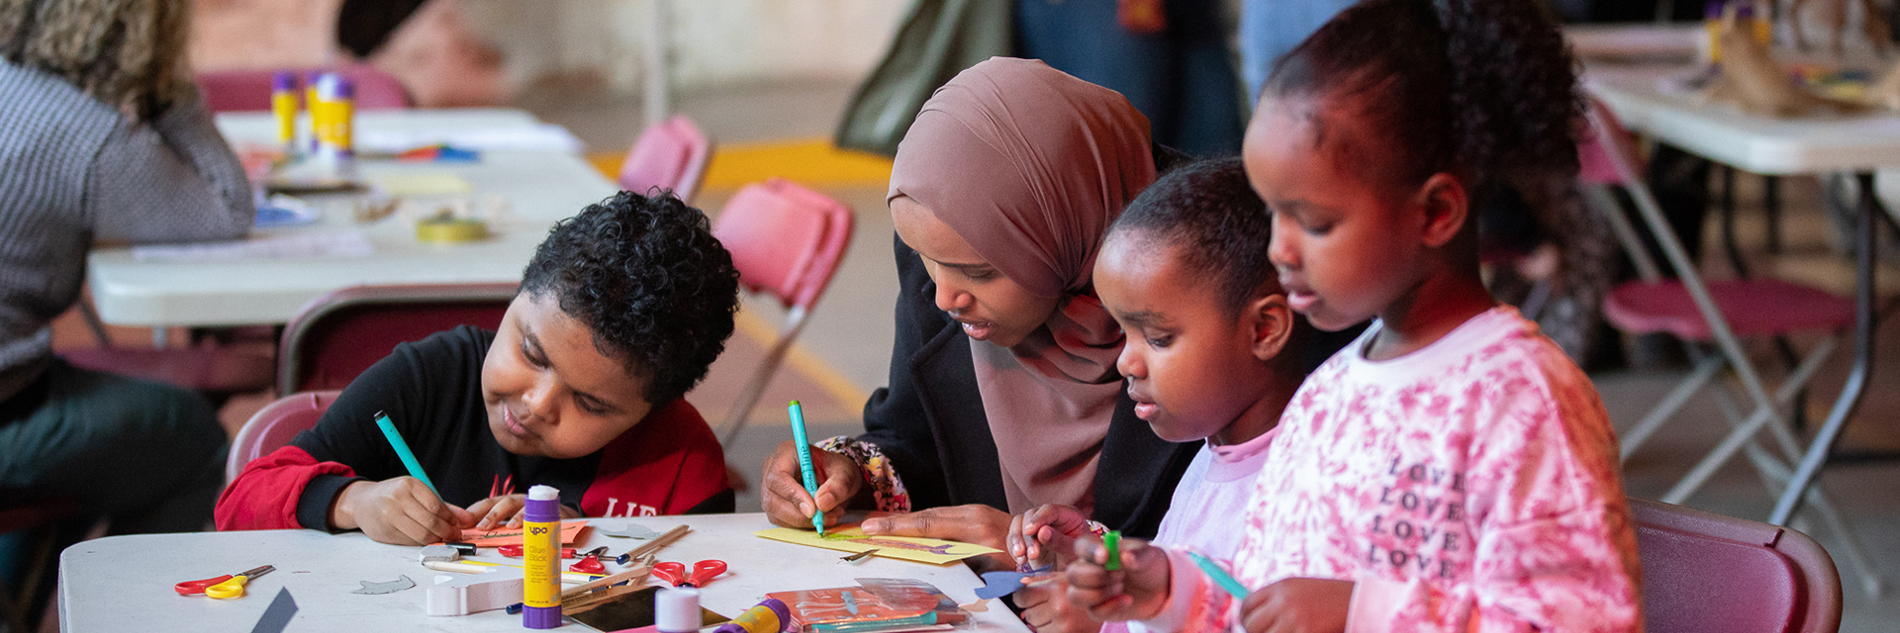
{"x":997,"y":584}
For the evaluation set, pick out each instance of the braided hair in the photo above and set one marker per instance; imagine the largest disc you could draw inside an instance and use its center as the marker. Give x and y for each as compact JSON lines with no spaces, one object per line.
{"x":1483,"y":89}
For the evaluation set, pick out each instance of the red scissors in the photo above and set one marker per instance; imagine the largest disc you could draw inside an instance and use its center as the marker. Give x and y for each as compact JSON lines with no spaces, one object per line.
{"x":226,"y":589}
{"x":703,"y":572}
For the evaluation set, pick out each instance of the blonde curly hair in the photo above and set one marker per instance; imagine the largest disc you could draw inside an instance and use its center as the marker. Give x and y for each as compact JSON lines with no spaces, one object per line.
{"x":127,"y":53}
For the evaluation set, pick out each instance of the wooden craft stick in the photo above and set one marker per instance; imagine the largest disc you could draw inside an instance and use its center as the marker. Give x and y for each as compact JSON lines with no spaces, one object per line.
{"x":664,"y":540}
{"x":634,"y":576}
{"x":596,"y":599}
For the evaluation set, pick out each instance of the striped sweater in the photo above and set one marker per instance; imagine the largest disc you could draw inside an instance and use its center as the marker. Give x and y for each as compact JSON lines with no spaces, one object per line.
{"x":74,"y":171}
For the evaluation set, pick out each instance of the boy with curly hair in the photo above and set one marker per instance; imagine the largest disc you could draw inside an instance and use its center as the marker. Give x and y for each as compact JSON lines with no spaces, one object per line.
{"x":620,"y":312}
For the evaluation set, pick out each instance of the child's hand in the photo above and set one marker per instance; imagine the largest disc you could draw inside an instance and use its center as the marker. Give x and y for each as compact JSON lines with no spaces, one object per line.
{"x":785,"y":499}
{"x":502,"y":511}
{"x":1047,"y":609}
{"x":1298,"y":605}
{"x":1137,"y":591}
{"x":400,"y":511}
{"x":1046,"y":535}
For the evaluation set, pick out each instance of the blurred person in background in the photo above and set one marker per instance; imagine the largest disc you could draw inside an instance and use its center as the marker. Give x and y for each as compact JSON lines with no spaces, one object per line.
{"x":103,"y":138}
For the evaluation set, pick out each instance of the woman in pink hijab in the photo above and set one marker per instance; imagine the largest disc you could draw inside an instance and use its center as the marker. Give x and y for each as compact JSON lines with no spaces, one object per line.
{"x":1003,"y":392}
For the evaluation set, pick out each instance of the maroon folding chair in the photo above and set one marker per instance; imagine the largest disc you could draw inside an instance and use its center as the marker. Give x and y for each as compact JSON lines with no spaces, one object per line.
{"x":338,"y":335}
{"x":672,"y":155}
{"x":1719,"y":574}
{"x":21,"y":512}
{"x":786,"y":241}
{"x":215,"y":372}
{"x":249,"y":89}
{"x":273,"y":426}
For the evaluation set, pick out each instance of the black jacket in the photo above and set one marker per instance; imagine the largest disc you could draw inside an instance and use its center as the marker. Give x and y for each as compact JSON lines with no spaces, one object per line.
{"x":930,"y":423}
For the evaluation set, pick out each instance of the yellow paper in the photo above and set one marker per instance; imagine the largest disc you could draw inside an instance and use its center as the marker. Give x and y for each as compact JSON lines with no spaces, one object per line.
{"x":851,"y":538}
{"x":422,"y":183}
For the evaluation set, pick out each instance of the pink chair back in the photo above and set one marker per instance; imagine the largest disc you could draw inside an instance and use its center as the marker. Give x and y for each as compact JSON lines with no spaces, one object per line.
{"x":672,"y":154}
{"x":273,"y":426}
{"x":785,"y":239}
{"x":338,"y":335}
{"x":1593,"y":152}
{"x":1708,"y":572}
{"x":249,"y":89}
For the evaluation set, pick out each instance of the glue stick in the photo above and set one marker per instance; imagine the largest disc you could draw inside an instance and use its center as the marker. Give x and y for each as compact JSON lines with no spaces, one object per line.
{"x":770,"y":616}
{"x":336,"y":104}
{"x":283,"y":104}
{"x":676,"y":610}
{"x":541,"y":550}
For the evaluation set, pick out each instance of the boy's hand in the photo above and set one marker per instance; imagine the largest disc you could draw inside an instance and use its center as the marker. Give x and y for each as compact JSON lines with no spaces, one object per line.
{"x":502,"y":511}
{"x":785,"y":499}
{"x":507,"y":511}
{"x":1046,"y":535}
{"x":1298,"y":605}
{"x":1138,"y":591}
{"x":1047,"y":609}
{"x":400,"y":511}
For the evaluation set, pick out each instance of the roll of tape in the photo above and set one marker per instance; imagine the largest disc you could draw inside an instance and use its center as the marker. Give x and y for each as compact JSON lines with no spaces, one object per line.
{"x":451,"y":230}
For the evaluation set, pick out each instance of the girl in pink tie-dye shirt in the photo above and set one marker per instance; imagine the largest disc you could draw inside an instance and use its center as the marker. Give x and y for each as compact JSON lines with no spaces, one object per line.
{"x":1451,"y":470}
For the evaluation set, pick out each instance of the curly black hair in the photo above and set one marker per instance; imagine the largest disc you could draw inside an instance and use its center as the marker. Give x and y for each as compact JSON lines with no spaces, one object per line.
{"x":647,"y":276}
{"x":1219,"y":227}
{"x":1485,"y":89}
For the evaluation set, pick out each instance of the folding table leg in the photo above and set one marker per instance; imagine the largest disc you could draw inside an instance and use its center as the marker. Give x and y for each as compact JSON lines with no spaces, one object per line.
{"x":1850,"y":397}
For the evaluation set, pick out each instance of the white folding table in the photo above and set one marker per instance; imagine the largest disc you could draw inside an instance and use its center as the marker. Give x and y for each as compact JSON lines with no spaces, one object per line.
{"x":539,"y":182}
{"x":124,"y":583}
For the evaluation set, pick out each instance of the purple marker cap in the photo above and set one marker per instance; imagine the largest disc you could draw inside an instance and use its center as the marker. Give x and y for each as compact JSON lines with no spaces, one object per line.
{"x":283,"y":80}
{"x":333,"y":86}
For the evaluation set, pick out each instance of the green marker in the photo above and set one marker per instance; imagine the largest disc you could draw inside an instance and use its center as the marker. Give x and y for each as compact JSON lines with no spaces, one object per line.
{"x":402,"y":451}
{"x":1220,"y":576}
{"x":1113,"y":541}
{"x":804,"y":464}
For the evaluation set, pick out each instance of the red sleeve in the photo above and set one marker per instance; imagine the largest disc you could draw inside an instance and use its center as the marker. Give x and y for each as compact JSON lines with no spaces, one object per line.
{"x":667,"y":464}
{"x":264,"y":496}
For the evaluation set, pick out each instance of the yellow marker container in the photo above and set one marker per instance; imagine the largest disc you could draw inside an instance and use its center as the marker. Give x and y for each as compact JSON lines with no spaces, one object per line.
{"x":541,"y":559}
{"x":283,"y":105}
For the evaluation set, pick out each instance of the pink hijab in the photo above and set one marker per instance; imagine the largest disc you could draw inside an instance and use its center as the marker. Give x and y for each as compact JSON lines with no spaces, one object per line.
{"x":1031,"y":166}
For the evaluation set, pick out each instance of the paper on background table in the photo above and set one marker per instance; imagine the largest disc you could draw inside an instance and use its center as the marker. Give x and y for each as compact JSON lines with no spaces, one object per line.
{"x":852,"y":538}
{"x":570,"y":533}
{"x":422,"y":183}
{"x":541,"y":137}
{"x":310,"y":245}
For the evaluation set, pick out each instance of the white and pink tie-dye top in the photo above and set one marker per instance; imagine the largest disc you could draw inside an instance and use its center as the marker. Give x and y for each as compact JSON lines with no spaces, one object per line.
{"x":1468,"y":486}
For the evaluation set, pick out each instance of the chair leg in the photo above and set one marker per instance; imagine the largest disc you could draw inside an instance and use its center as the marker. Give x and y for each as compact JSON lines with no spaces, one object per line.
{"x":1705,"y":369}
{"x":761,"y":376}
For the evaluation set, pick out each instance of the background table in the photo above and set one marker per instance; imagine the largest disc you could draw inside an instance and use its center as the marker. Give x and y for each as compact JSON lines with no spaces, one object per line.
{"x":124,"y":583}
{"x":540,"y":186}
{"x":1861,"y":144}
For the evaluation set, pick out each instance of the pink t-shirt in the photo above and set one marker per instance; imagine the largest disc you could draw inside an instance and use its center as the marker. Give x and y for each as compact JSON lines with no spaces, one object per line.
{"x":1468,"y":486}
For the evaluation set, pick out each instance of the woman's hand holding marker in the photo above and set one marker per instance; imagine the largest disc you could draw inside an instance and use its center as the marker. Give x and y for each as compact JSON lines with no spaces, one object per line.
{"x":1137,"y":591}
{"x":785,"y":500}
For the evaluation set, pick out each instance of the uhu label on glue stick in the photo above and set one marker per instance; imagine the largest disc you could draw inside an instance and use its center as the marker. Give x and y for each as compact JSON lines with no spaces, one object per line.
{"x":541,"y":559}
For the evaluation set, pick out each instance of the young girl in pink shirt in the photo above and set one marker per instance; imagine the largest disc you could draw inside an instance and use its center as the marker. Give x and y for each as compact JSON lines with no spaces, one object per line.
{"x":1451,"y":470}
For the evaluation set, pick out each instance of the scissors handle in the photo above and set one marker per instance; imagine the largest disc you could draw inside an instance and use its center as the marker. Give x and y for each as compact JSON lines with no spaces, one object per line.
{"x":197,"y":587}
{"x":672,"y":572}
{"x":705,"y":571}
{"x":233,"y":588}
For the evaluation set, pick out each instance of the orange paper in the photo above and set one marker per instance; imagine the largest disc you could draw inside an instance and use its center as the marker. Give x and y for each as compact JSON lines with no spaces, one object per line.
{"x":570,"y":533}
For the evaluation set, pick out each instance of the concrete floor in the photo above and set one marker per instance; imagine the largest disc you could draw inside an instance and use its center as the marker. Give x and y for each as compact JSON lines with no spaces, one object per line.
{"x":851,"y":332}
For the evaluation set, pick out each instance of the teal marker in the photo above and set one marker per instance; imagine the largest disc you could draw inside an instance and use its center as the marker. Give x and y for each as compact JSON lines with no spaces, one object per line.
{"x":804,"y":465}
{"x":1220,"y":576}
{"x":402,"y":451}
